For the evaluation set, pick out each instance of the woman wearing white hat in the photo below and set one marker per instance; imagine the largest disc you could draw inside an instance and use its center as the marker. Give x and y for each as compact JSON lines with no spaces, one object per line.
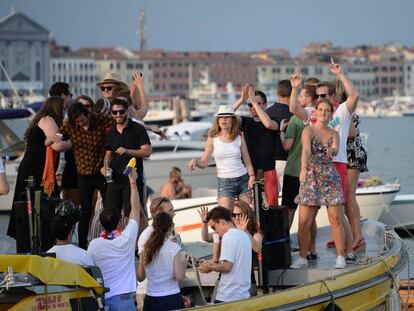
{"x":228,"y":148}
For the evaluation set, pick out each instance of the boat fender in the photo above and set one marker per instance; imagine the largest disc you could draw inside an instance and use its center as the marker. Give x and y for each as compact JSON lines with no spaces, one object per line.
{"x":332,"y":306}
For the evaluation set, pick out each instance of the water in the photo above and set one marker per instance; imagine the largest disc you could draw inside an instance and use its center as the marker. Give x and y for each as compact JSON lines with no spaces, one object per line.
{"x":390,"y":149}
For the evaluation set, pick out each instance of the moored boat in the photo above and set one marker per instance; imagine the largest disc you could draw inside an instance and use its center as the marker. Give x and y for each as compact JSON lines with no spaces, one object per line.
{"x":400,"y":214}
{"x":371,"y":284}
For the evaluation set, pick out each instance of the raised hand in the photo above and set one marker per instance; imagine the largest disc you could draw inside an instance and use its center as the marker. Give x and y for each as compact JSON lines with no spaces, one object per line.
{"x":335,"y":68}
{"x":296,"y":80}
{"x":137,"y":79}
{"x":251,"y":94}
{"x":245,"y":92}
{"x":203,"y":211}
{"x":241,"y":222}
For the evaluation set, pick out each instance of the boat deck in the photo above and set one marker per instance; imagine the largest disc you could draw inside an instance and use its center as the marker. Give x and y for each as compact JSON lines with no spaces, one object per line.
{"x":319,"y":269}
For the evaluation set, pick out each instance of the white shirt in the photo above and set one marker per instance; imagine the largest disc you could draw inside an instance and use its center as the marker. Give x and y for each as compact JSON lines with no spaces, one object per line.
{"x":341,"y":120}
{"x":236,"y":247}
{"x":143,"y":238}
{"x":115,"y":258}
{"x":2,"y":170}
{"x":72,"y":254}
{"x":228,"y":158}
{"x":160,"y":272}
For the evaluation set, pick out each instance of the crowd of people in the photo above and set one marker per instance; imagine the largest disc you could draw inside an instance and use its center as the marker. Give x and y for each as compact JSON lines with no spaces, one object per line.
{"x":306,"y":145}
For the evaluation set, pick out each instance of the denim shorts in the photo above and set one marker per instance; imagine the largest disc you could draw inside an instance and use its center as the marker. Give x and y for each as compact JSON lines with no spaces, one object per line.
{"x":233,"y":187}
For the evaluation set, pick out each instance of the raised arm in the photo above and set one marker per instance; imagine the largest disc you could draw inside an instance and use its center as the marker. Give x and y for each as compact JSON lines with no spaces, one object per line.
{"x":205,"y":158}
{"x":134,"y":198}
{"x":263,"y":116}
{"x":353,"y":96}
{"x":138,"y":95}
{"x":243,"y":97}
{"x":294,"y":106}
{"x":4,"y":185}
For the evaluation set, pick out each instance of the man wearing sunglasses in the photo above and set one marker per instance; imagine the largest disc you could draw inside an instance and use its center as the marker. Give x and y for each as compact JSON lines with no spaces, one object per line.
{"x":260,"y":133}
{"x":125,"y":140}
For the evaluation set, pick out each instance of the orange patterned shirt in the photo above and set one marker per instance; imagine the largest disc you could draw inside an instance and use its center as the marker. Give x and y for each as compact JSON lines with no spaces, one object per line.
{"x":88,"y":146}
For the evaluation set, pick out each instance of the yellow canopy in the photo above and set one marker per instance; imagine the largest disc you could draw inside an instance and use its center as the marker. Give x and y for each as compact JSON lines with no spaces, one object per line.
{"x":50,"y":271}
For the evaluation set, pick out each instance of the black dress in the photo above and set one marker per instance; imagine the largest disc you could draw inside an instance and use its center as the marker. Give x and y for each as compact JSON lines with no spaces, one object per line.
{"x":32,"y":164}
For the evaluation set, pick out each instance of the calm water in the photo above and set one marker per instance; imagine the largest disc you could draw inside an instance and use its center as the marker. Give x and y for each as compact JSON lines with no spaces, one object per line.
{"x":390,"y":149}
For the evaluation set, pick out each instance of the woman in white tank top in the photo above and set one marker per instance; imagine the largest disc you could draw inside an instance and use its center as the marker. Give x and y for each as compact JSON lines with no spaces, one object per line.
{"x":235,"y":174}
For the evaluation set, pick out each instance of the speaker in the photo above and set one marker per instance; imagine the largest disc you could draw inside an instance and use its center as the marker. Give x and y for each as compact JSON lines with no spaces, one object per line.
{"x":47,"y":211}
{"x":276,"y":244}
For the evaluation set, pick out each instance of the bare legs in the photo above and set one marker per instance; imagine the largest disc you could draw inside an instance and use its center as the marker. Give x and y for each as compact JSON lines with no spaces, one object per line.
{"x":352,"y":209}
{"x":306,"y":218}
{"x":335,"y":215}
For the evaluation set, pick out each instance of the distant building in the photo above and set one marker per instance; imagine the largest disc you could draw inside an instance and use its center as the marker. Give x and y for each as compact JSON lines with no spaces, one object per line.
{"x":24,"y":53}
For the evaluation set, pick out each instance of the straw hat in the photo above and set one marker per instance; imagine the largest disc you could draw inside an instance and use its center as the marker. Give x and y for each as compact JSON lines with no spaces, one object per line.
{"x":225,"y":111}
{"x":113,"y":78}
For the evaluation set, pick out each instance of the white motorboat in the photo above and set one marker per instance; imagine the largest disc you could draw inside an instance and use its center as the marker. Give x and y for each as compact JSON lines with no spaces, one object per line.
{"x":400,"y":213}
{"x":372,"y":201}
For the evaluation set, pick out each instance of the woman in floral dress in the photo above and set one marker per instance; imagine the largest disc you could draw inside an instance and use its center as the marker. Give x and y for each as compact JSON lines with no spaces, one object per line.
{"x":320,"y":183}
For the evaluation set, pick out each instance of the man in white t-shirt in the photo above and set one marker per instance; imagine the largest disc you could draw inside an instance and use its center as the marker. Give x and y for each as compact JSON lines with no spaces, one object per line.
{"x":63,"y":225}
{"x":235,"y":259}
{"x":114,"y":253}
{"x":158,"y":205}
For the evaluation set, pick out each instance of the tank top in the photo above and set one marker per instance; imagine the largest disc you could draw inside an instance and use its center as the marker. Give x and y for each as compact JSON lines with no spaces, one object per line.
{"x":228,"y":158}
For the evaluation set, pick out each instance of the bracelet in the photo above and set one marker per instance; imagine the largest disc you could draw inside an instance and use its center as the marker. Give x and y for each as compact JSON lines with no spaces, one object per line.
{"x":204,"y":222}
{"x":132,"y":183}
{"x":304,"y":168}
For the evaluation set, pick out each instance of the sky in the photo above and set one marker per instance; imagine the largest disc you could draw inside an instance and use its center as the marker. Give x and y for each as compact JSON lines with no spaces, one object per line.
{"x":222,"y":25}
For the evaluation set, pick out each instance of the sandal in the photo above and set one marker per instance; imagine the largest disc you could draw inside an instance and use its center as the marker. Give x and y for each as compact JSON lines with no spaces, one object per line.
{"x":330,"y":244}
{"x":358,"y":244}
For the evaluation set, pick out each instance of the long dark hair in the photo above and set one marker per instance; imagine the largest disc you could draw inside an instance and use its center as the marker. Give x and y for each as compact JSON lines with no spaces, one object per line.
{"x":53,"y":107}
{"x":162,"y":223}
{"x":252,"y":225}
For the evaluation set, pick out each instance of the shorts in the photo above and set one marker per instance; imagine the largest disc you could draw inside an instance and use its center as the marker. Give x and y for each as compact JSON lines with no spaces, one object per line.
{"x":271,"y":187}
{"x":356,"y":154}
{"x":291,"y":185}
{"x":233,"y":187}
{"x":342,"y":170}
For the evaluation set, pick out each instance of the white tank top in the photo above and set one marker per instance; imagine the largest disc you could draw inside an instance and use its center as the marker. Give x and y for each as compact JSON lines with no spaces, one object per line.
{"x":228,"y":158}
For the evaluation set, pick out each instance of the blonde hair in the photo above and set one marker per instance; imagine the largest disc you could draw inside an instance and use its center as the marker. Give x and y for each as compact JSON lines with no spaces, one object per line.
{"x":234,"y":130}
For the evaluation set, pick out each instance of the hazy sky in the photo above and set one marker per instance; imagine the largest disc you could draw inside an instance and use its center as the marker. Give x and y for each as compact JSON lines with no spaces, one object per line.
{"x":225,"y":25}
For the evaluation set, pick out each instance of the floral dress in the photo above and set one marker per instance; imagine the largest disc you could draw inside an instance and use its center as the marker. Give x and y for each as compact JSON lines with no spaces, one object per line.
{"x":322,"y":185}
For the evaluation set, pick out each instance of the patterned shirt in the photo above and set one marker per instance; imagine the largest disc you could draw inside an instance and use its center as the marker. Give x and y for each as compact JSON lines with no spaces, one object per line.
{"x":88,"y":146}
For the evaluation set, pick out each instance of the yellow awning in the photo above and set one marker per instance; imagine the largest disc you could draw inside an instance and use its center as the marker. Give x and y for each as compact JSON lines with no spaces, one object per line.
{"x":50,"y":271}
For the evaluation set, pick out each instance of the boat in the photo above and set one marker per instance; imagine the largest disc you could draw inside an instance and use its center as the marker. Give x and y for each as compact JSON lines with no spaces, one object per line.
{"x":400,"y":214}
{"x":30,"y":282}
{"x":370,"y":285}
{"x":372,"y":201}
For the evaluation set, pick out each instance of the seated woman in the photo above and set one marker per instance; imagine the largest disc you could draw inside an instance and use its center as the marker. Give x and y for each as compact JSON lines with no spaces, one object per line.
{"x":161,"y":263}
{"x":320,"y":183}
{"x":235,"y":174}
{"x":63,"y":225}
{"x":245,"y":219}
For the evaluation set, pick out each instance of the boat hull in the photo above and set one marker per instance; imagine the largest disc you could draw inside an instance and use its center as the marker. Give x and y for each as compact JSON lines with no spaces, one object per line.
{"x":400,"y":213}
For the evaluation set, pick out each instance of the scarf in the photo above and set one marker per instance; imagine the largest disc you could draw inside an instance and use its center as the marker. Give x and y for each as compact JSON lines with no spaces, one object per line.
{"x":111,"y":235}
{"x":48,"y":178}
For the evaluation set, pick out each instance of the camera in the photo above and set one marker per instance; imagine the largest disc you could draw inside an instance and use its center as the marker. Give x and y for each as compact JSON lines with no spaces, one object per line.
{"x":68,"y":211}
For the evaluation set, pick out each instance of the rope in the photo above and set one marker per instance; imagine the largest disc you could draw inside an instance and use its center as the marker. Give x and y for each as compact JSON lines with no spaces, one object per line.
{"x":329,"y":291}
{"x":8,"y":279}
{"x":200,"y":287}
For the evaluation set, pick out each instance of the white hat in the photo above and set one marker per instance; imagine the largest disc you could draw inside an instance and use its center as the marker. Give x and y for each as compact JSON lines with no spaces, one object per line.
{"x":225,"y":111}
{"x":114,"y":78}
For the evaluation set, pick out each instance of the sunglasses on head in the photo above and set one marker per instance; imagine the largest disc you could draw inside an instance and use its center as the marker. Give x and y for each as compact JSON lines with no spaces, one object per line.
{"x":117,"y":112}
{"x":321,"y":95}
{"x":104,"y":88}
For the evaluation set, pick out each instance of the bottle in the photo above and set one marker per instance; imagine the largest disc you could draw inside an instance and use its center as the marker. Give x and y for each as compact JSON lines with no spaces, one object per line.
{"x":131,"y":164}
{"x":108,"y":172}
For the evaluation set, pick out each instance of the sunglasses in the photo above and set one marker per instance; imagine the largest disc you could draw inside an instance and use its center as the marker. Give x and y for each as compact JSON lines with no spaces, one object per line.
{"x":251,"y":105}
{"x":162,"y":200}
{"x":214,"y":227}
{"x":108,"y":88}
{"x":234,"y":215}
{"x":118,"y":112}
{"x":321,"y":95}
